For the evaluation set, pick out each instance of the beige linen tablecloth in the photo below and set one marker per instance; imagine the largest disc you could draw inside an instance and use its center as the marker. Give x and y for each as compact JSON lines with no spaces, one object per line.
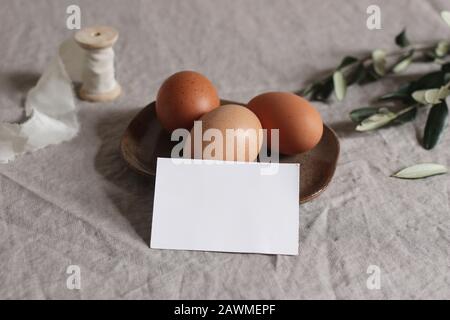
{"x":78,"y":204}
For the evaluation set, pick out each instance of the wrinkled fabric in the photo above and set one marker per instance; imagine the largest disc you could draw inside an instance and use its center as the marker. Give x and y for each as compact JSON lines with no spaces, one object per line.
{"x":77,"y":203}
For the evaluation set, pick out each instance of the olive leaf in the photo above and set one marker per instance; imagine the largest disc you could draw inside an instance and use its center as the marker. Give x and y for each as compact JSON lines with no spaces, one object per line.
{"x":442,"y":94}
{"x":379,"y":61}
{"x":339,"y":81}
{"x":431,"y":96}
{"x":446,"y":16}
{"x":401,"y":94}
{"x":445,"y":67}
{"x":419,"y":96}
{"x":407,"y":93}
{"x":402,"y":65}
{"x":323,"y":90}
{"x":356,"y":75}
{"x":309,"y":90}
{"x":340,"y":86}
{"x":401,"y":40}
{"x":442,"y":48}
{"x":427,"y":56}
{"x":377,"y":120}
{"x":420,"y":171}
{"x":368,"y":75}
{"x":406,"y":116}
{"x":382,"y":118}
{"x":429,"y":81}
{"x":437,"y":119}
{"x":319,"y":90}
{"x":347,"y":61}
{"x":404,"y":62}
{"x":360,"y":114}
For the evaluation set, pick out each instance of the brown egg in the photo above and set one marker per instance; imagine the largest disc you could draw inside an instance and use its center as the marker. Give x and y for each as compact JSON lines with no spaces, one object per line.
{"x":300,"y":124}
{"x":183,"y":98}
{"x":236,"y":136}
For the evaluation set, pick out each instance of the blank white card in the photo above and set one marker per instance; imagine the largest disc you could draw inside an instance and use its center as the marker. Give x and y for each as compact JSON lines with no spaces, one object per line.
{"x":223,"y":206}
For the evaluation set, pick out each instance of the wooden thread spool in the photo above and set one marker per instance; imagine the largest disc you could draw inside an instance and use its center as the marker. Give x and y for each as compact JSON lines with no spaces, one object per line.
{"x":99,"y":83}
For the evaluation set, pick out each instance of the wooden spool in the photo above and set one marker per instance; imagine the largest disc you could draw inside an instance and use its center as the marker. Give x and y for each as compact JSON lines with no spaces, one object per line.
{"x":96,"y":38}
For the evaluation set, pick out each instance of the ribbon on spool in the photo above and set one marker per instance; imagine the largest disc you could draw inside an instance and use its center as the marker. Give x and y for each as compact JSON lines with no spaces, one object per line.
{"x":99,"y":83}
{"x":50,"y":107}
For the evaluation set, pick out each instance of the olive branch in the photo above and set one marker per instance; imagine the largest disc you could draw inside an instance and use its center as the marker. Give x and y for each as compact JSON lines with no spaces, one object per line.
{"x":429,"y":90}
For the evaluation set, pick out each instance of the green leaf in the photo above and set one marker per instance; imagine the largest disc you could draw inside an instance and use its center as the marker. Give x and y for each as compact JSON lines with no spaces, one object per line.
{"x":401,"y":94}
{"x":443,"y":93}
{"x":402,"y":65}
{"x":419,"y":96}
{"x":431,"y":96}
{"x":369,"y":75}
{"x":404,"y":62}
{"x":437,"y":119}
{"x":376,"y":121}
{"x":427,"y":56}
{"x":442,"y":48}
{"x":420,"y":171}
{"x":407,"y":116}
{"x":324,"y":90}
{"x":429,"y":81}
{"x":356,"y":75}
{"x":431,"y":56}
{"x":401,"y":40}
{"x":309,"y":90}
{"x":379,"y":61}
{"x":445,"y":67}
{"x":446,"y":16}
{"x":360,"y":114}
{"x":321,"y":90}
{"x":347,"y":61}
{"x":340,"y":86}
{"x":446,"y":77}
{"x":384,"y":117}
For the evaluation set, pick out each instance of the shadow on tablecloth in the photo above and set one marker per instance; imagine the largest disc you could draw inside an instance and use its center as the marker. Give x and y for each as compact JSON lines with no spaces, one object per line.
{"x":131,"y":193}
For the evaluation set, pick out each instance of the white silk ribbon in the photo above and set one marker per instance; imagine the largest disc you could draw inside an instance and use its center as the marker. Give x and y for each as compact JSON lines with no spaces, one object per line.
{"x":50,"y":109}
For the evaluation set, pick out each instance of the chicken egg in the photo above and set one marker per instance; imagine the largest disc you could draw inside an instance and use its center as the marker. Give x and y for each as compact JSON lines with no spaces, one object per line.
{"x":230,"y":132}
{"x":183,"y":98}
{"x":300,"y":124}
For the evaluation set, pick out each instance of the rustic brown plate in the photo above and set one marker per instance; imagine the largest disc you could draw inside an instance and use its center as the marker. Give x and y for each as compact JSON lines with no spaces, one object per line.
{"x":145,"y":140}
